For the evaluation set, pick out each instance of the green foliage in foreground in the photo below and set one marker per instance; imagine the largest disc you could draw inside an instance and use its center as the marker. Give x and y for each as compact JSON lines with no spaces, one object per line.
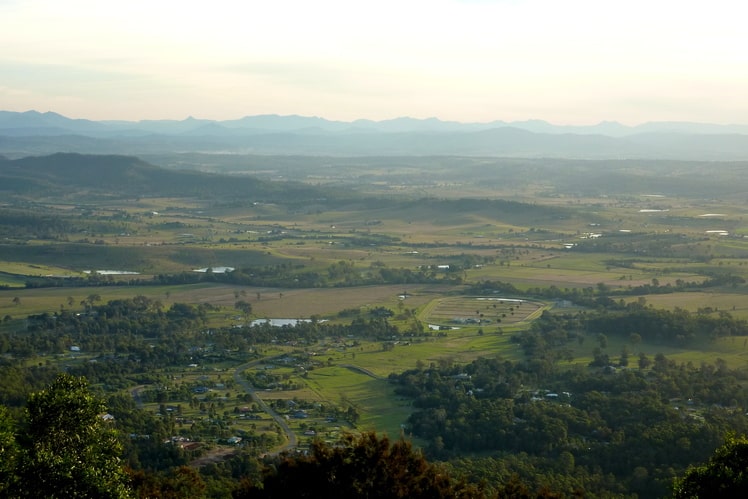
{"x":613,"y":434}
{"x":66,"y":449}
{"x":725,"y":474}
{"x":364,"y":466}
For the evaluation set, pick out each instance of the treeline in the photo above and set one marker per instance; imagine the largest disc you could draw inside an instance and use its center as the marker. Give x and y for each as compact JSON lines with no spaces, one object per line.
{"x":140,"y":328}
{"x":132,"y":338}
{"x":677,"y":326}
{"x":17,"y":224}
{"x":286,"y":275}
{"x":550,"y":333}
{"x":117,"y":326}
{"x":337,"y":274}
{"x":662,"y":245}
{"x":573,"y":429}
{"x":603,"y":295}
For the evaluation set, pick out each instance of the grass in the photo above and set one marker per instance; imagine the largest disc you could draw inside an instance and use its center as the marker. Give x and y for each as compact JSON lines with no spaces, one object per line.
{"x":732,"y":350}
{"x":11,"y":281}
{"x":733,"y":303}
{"x":491,"y":311}
{"x":373,"y":398}
{"x":29,"y":269}
{"x":524,"y":257}
{"x":293,"y":303}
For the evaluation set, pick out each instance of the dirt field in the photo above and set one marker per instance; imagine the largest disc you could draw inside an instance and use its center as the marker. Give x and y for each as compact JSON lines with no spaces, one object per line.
{"x":302,"y":303}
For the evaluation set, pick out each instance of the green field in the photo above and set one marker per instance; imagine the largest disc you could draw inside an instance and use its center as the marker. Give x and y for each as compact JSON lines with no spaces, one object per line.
{"x":452,"y":241}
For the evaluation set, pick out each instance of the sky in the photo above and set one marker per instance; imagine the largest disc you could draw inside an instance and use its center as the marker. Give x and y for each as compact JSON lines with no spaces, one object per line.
{"x":569,"y":62}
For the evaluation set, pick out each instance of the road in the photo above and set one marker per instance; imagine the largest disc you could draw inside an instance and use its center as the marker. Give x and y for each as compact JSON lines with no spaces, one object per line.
{"x":290,"y":435}
{"x":292,"y":441}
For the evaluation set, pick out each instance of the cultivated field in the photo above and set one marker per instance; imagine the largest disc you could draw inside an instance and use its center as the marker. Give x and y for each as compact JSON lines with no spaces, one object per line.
{"x":532,"y":231}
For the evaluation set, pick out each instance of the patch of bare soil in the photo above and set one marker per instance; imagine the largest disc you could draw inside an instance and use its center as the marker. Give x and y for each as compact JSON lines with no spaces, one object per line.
{"x":213,"y":456}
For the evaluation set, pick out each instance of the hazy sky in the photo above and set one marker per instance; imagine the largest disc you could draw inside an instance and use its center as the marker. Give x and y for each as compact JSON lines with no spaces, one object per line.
{"x":565,"y":61}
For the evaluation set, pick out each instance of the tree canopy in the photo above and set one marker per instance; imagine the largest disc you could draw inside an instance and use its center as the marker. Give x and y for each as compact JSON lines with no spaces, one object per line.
{"x":725,"y":474}
{"x":363,"y":466}
{"x":67,"y":449}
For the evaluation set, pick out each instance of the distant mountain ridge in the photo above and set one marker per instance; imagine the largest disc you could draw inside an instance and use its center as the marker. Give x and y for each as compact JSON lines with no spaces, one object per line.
{"x":32,"y":132}
{"x":34,"y":122}
{"x":65,"y":173}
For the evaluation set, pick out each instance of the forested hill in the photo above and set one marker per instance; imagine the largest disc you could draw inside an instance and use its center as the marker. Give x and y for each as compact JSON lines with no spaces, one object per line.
{"x":63,"y":173}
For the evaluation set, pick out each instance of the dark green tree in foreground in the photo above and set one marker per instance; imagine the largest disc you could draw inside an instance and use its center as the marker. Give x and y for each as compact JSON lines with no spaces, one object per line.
{"x":68,"y":450}
{"x":360,"y":467}
{"x":724,"y":475}
{"x":8,"y":451}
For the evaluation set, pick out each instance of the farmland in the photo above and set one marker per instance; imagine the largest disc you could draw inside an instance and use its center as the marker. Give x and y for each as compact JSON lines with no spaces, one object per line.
{"x":387,"y":284}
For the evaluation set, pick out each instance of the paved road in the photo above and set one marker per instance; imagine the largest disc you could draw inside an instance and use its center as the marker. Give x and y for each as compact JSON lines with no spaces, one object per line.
{"x":290,"y":435}
{"x":247,"y":387}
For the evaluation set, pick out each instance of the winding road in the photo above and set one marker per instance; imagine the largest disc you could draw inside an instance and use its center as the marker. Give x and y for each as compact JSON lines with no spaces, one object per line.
{"x":290,"y":435}
{"x":292,"y":441}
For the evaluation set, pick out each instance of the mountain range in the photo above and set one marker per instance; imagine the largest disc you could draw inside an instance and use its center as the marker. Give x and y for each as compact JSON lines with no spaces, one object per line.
{"x":63,"y":175}
{"x":32,"y":132}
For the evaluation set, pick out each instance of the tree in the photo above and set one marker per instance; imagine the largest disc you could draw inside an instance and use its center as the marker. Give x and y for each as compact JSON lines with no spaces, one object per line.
{"x":93,"y":298}
{"x":353,"y":415}
{"x":8,"y":451}
{"x":244,"y":306}
{"x":177,"y":483}
{"x":725,"y":474}
{"x":360,"y":466}
{"x":644,"y":361}
{"x":68,"y":449}
{"x":624,"y":362}
{"x":602,"y":340}
{"x":635,"y":338}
